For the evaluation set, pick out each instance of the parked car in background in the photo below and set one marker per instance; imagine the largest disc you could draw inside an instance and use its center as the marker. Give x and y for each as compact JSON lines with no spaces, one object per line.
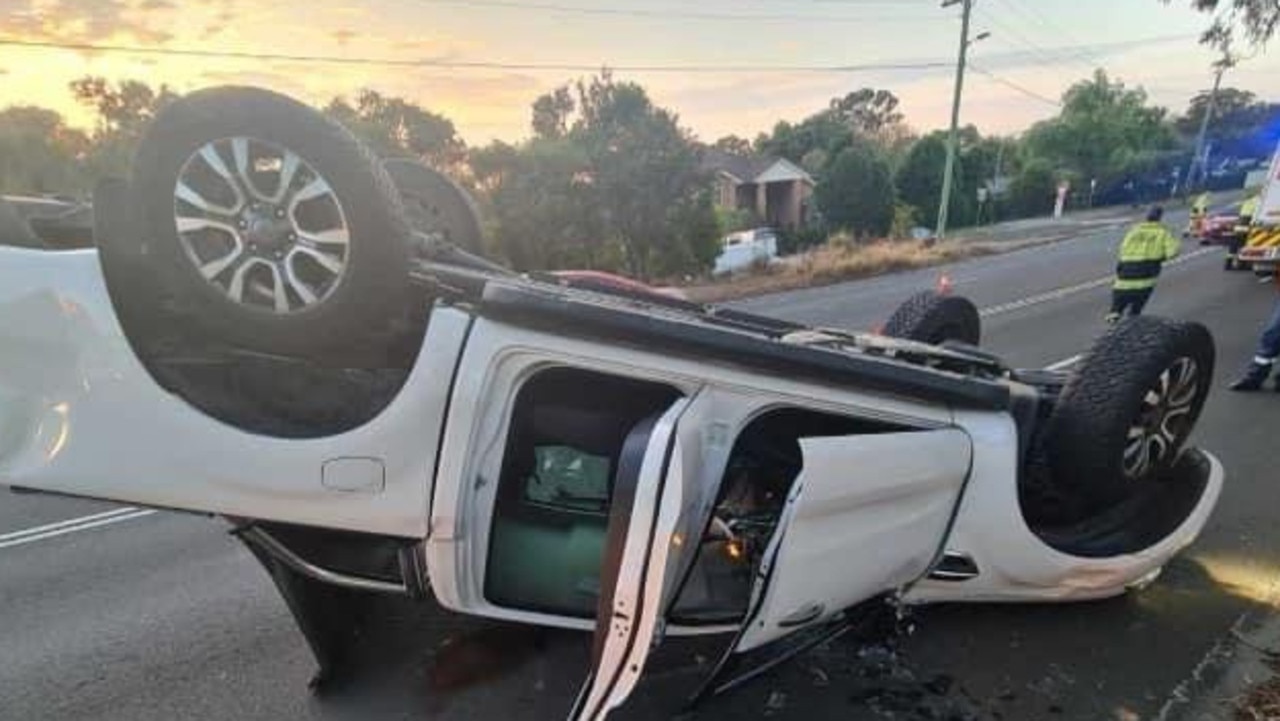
{"x":1218,"y":228}
{"x":743,"y":249}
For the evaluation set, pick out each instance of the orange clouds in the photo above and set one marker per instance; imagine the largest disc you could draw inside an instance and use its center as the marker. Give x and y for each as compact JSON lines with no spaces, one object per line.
{"x":80,"y":21}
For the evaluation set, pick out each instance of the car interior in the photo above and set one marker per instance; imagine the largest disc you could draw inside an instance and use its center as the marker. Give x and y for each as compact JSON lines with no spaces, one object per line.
{"x":567,"y":433}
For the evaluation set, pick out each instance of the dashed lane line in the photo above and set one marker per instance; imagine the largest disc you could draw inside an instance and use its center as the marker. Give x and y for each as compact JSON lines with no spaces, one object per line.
{"x":1063,"y":292}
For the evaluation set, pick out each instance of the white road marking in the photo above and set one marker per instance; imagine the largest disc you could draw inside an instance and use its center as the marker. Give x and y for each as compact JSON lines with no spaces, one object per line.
{"x":73,"y":525}
{"x":1063,"y":292}
{"x":1064,"y":363}
{"x":68,"y":522}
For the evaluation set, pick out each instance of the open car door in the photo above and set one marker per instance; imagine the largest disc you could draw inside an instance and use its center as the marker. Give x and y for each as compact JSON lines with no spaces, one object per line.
{"x":661,"y":503}
{"x":867,"y":514}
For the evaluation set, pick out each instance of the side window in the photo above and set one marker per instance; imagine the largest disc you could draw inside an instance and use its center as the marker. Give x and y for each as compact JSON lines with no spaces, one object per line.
{"x":566,"y":435}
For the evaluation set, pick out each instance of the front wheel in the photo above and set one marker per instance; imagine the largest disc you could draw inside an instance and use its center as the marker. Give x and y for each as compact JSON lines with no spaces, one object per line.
{"x":930,"y":317}
{"x":1124,"y":415}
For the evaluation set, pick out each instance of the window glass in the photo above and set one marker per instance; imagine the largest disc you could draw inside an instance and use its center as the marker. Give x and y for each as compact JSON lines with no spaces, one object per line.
{"x":569,"y":479}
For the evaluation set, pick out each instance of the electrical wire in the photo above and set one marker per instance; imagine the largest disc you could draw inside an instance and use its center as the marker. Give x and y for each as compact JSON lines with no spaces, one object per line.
{"x":1015,"y":86}
{"x":681,"y":14}
{"x":1038,"y":54}
{"x":465,"y":64}
{"x":1087,"y":58}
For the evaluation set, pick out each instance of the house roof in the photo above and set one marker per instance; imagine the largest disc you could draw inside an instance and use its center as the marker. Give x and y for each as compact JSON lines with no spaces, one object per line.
{"x":753,"y":169}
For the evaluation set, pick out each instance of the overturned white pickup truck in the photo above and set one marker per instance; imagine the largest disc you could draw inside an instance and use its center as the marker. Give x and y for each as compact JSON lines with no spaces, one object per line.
{"x":275,"y":328}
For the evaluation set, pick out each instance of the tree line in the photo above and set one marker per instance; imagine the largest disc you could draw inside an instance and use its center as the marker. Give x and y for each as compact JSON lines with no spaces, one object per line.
{"x":609,"y":180}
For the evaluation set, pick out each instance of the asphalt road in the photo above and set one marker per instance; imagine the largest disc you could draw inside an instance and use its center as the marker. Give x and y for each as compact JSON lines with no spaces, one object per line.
{"x":164,"y":616}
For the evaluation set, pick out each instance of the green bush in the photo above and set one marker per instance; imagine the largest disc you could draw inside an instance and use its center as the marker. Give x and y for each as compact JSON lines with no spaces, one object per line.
{"x":856,"y":191}
{"x":1032,"y":190}
{"x":904,"y":219}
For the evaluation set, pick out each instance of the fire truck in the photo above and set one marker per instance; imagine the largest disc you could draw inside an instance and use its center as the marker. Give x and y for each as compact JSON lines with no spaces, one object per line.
{"x":1261,"y":250}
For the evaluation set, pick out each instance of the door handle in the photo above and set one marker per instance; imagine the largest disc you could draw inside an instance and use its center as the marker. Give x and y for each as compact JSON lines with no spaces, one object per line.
{"x":806,"y":614}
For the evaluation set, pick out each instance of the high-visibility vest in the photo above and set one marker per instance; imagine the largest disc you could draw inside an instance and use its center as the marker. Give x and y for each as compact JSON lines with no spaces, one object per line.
{"x":1201,"y":204}
{"x":1249,"y":207}
{"x":1143,"y":252}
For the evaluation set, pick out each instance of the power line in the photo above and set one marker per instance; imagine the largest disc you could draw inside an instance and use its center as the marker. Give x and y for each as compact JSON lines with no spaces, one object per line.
{"x":1039,"y":55}
{"x":463,"y":64}
{"x":1016,"y":7}
{"x":1055,"y":55}
{"x":913,"y":64}
{"x":1015,"y":86}
{"x":675,"y":14}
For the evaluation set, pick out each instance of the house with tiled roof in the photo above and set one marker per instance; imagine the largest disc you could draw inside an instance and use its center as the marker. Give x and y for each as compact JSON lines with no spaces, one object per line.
{"x":776,"y":190}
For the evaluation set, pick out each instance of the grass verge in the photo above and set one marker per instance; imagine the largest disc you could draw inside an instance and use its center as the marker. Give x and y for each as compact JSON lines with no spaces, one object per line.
{"x":839,"y":262}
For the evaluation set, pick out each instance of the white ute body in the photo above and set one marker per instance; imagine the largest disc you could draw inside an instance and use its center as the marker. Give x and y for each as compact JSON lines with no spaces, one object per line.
{"x":870,"y":513}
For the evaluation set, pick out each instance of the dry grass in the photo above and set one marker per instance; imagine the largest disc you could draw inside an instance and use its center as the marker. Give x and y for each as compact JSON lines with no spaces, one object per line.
{"x":840,"y":260}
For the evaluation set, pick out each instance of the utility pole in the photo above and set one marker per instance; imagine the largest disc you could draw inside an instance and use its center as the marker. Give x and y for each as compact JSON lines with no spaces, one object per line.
{"x":952,"y":138}
{"x":1199,"y":158}
{"x":995,"y":183}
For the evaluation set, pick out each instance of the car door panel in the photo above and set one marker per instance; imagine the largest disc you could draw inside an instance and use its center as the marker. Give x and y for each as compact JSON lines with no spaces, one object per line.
{"x":867,"y":514}
{"x":644,"y":511}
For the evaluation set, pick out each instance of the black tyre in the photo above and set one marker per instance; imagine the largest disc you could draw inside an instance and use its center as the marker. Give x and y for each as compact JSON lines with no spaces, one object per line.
{"x":269,"y":225}
{"x":14,"y":231}
{"x":435,"y":206}
{"x":930,"y":317}
{"x":1124,"y":415}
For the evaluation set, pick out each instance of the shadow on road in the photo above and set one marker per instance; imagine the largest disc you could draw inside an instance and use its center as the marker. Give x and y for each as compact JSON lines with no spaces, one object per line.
{"x":960,"y":663}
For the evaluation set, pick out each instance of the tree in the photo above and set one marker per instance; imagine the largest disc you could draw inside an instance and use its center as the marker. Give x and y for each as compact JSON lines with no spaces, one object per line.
{"x":919,"y":182}
{"x":695,"y":239}
{"x":544,"y":206}
{"x":551,"y":113}
{"x":820,"y":136}
{"x":856,"y":191}
{"x":395,"y":127}
{"x":124,"y":109}
{"x":1102,"y":128}
{"x":1032,"y":190}
{"x":867,"y":111}
{"x":733,"y":144}
{"x":1256,"y":19}
{"x":40,"y":153}
{"x":610,"y":181}
{"x":1238,"y":116}
{"x":644,"y":167}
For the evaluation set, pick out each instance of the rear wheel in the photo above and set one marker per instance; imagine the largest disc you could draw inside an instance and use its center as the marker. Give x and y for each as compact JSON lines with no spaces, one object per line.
{"x":1123,"y":417}
{"x":271,"y":226}
{"x":930,"y":317}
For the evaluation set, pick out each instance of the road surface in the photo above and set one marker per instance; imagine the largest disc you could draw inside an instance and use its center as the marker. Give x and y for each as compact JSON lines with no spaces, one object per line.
{"x":144,"y":615}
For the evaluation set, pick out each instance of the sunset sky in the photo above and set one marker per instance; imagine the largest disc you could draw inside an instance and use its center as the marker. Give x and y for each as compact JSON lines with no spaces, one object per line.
{"x":1140,"y":41}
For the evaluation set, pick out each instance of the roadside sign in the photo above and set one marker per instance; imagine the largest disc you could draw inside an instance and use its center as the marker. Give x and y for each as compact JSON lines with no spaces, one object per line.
{"x":1061,"y":201}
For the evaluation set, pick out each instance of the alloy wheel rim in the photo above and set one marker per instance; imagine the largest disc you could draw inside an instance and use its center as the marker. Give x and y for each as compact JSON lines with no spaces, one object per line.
{"x":280,"y":252}
{"x":1164,"y":419}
